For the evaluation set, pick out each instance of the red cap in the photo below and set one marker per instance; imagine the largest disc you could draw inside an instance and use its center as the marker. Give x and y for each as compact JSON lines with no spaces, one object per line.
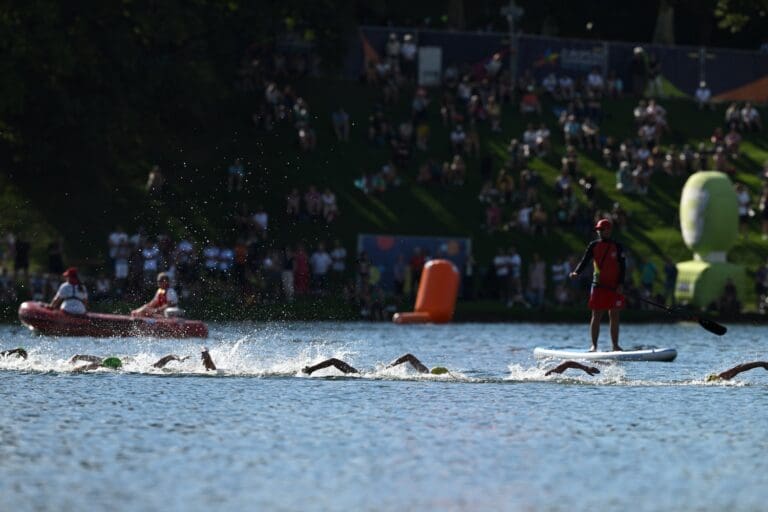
{"x":71,"y":271}
{"x":603,"y":224}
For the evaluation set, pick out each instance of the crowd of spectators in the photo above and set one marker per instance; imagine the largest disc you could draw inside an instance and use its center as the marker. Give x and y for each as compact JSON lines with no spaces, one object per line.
{"x":470,"y":100}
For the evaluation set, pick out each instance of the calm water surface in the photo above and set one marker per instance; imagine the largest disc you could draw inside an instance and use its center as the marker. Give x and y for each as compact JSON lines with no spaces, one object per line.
{"x":494,"y":434}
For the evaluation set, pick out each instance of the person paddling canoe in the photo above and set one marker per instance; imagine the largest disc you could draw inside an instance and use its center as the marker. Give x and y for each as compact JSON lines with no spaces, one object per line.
{"x":607,"y":257}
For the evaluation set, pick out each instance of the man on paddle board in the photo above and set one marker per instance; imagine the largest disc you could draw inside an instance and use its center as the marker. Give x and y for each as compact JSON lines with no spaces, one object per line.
{"x":607,"y":257}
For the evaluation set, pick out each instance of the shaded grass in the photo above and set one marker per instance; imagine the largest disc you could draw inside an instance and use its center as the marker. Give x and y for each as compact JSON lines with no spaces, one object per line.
{"x":196,"y":158}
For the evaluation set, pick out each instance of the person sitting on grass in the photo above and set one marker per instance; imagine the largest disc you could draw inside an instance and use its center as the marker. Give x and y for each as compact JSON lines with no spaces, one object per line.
{"x":732,"y":372}
{"x":18,"y":352}
{"x":165,"y":299}
{"x":346,"y":368}
{"x":591,"y":370}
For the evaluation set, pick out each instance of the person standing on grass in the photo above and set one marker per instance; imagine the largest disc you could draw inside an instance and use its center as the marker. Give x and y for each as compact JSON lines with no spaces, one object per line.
{"x":607,"y":258}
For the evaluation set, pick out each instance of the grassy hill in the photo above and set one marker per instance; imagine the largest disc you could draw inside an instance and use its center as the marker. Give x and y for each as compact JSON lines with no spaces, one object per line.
{"x":195,"y":157}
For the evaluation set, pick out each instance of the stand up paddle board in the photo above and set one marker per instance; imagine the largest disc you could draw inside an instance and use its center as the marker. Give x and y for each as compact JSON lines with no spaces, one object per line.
{"x":648,"y":354}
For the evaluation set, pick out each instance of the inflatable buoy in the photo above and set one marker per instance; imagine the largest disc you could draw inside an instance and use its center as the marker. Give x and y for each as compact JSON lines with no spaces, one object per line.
{"x":436,"y":298}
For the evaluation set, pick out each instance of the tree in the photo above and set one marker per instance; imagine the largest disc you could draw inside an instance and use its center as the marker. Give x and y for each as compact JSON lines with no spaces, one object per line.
{"x":734,"y":15}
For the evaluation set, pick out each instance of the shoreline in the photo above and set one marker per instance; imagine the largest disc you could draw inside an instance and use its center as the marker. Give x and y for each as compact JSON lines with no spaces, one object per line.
{"x":335,"y":310}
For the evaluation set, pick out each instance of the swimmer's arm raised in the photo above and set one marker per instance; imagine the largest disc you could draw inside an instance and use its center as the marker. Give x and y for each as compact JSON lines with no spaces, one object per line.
{"x":167,"y":359}
{"x":207,"y":361}
{"x":591,"y":370}
{"x":337,"y":363}
{"x":731,"y":373}
{"x":413,"y":360}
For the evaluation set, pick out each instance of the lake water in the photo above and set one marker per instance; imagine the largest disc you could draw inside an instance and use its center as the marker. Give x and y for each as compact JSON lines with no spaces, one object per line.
{"x":494,"y":434}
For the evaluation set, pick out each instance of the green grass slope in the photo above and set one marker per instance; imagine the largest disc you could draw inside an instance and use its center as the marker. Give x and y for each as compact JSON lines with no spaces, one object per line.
{"x":195,"y":158}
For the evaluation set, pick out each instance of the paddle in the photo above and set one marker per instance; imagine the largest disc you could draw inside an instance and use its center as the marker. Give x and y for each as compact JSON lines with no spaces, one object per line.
{"x":707,"y":323}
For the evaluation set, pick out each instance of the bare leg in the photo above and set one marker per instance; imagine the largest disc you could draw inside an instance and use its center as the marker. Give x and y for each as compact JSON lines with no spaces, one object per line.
{"x":337,"y":363}
{"x":409,"y":358}
{"x":594,"y":328}
{"x":613,"y":317}
{"x":167,"y":359}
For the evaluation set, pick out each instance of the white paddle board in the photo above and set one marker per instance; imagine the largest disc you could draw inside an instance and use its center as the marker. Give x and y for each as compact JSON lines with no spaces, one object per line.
{"x":649,"y":354}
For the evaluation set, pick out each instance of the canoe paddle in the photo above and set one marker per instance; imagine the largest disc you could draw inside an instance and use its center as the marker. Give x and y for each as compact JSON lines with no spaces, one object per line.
{"x":707,"y":323}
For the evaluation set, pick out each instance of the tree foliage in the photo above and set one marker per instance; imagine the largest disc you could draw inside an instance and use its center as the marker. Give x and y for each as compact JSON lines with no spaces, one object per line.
{"x":734,"y":15}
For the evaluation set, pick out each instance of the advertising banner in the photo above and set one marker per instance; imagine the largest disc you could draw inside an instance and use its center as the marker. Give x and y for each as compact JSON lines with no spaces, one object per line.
{"x":385,"y":251}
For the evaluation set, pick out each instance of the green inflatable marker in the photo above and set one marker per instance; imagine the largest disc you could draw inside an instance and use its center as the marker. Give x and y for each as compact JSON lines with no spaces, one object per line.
{"x":709,"y":221}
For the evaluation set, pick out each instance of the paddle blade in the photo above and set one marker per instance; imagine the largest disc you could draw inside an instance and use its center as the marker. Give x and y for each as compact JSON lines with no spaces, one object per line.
{"x":712,"y":326}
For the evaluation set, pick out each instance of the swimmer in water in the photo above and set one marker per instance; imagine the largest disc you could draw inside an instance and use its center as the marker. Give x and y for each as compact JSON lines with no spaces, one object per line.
{"x":114,"y":363}
{"x":95,"y":362}
{"x":18,"y":352}
{"x":336,"y":363}
{"x":731,"y":373}
{"x":591,"y":370}
{"x":417,"y":365}
{"x":207,"y":359}
{"x":346,"y":368}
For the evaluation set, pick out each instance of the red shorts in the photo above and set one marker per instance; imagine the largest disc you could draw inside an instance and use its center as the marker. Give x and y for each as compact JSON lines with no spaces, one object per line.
{"x":601,"y":299}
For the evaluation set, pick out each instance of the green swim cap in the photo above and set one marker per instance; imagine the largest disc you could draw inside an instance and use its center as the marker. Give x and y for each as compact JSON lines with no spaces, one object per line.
{"x":713,"y":377}
{"x":439,"y":370}
{"x":112,"y":362}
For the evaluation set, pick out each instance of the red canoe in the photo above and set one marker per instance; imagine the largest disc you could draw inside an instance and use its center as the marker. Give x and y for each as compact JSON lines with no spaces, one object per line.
{"x":49,"y":321}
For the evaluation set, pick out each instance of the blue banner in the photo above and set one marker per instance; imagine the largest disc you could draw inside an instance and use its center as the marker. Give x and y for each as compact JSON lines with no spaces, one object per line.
{"x":385,"y":250}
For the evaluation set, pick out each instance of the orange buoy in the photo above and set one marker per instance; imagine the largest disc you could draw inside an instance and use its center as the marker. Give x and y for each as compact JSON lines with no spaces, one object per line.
{"x":436,"y":298}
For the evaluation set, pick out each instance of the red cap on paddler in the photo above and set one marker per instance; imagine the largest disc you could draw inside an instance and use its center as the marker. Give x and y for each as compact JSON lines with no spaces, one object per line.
{"x":603,"y":224}
{"x":71,"y":271}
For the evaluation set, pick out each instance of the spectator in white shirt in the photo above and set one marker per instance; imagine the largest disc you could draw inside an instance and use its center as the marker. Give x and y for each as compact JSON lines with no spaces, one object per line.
{"x":529,"y":136}
{"x":458,"y":137}
{"x":330,"y":208}
{"x":150,"y":255}
{"x":261,"y":221}
{"x":320,"y":262}
{"x":566,"y":87}
{"x":524,"y":218}
{"x":501,"y":267}
{"x":211,"y":259}
{"x":595,"y":82}
{"x":549,"y":83}
{"x":226,"y":260}
{"x":339,"y":257}
{"x":408,"y":53}
{"x":116,"y":238}
{"x":393,"y":49}
{"x":703,"y":96}
{"x":750,"y":118}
